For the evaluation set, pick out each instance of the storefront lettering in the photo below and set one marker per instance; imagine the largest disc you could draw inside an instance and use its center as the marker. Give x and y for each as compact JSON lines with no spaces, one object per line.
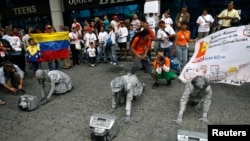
{"x":25,"y":10}
{"x":113,"y":1}
{"x":76,"y":2}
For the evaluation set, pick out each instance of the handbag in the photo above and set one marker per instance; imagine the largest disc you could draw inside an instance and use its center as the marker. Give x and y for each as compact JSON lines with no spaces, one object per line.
{"x":235,"y":22}
{"x":78,"y":45}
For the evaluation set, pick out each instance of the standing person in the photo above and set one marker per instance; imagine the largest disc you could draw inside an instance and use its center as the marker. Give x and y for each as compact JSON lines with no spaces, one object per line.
{"x":88,"y":37}
{"x":33,"y":56}
{"x":122,"y":40}
{"x":76,"y":25}
{"x":161,"y":66}
{"x":151,"y":25}
{"x":181,"y":44}
{"x":139,"y":49}
{"x":164,"y":34}
{"x":92,"y":54}
{"x":204,"y":22}
{"x":112,"y":50}
{"x":115,"y":23}
{"x":131,"y":33}
{"x":25,"y":41}
{"x":101,"y":48}
{"x":51,"y":29}
{"x":67,"y":63}
{"x":182,"y":16}
{"x":17,"y":55}
{"x":106,"y":23}
{"x":228,"y":15}
{"x":167,"y":19}
{"x":135,"y":22}
{"x":74,"y":40}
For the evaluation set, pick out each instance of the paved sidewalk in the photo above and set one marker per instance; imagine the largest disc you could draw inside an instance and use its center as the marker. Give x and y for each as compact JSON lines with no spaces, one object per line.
{"x":66,"y":117}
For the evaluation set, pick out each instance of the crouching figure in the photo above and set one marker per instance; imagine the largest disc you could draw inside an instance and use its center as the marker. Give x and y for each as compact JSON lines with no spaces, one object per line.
{"x":126,"y":88}
{"x":197,"y":92}
{"x":59,"y":81}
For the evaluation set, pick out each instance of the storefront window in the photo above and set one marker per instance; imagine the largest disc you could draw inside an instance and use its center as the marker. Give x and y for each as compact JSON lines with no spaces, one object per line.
{"x":123,"y":12}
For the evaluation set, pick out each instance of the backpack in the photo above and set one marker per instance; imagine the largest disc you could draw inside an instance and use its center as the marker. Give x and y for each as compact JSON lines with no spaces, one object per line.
{"x":109,"y":43}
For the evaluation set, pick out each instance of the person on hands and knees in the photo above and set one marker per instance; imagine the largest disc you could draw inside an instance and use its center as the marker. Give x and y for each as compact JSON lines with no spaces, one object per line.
{"x":11,"y":77}
{"x":59,"y":81}
{"x":162,"y":69}
{"x":199,"y":93}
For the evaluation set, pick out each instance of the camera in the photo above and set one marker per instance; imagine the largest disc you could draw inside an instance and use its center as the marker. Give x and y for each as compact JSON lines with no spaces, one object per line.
{"x":161,"y":60}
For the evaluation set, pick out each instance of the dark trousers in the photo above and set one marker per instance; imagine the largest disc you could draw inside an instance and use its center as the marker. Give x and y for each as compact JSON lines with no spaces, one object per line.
{"x":75,"y":54}
{"x":92,"y":60}
{"x":36,"y":66}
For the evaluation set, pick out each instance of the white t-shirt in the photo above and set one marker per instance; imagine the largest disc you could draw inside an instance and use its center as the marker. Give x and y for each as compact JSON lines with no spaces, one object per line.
{"x":122,"y":34}
{"x":102,"y":37}
{"x":167,"y":21}
{"x":151,"y":21}
{"x":136,"y":23}
{"x":161,"y":34}
{"x":91,"y":52}
{"x":89,"y":38}
{"x":112,"y":35}
{"x":204,"y":22}
{"x":73,"y":35}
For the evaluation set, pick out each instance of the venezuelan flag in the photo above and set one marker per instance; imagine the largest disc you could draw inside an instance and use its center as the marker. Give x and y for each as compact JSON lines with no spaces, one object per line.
{"x":52,"y":45}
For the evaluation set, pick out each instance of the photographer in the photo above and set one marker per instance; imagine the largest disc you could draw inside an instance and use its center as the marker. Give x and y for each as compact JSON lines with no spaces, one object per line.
{"x":162,"y":69}
{"x":11,"y":77}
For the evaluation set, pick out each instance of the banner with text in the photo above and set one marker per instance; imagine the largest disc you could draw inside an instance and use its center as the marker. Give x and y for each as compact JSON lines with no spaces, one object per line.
{"x":223,"y":57}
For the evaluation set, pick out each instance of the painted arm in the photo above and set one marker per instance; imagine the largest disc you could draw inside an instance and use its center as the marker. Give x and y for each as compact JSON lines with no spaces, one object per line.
{"x":183,"y":102}
{"x":206,"y":105}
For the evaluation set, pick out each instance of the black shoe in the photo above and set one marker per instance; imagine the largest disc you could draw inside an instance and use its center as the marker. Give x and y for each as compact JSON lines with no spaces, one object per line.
{"x":169,"y":82}
{"x":155,"y":85}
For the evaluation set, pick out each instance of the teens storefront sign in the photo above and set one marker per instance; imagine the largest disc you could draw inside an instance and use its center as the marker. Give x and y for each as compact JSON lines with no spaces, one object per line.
{"x":71,"y":5}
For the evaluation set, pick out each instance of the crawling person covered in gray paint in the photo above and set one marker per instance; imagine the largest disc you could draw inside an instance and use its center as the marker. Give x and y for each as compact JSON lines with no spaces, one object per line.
{"x":197,"y":91}
{"x":123,"y":88}
{"x":60,"y":83}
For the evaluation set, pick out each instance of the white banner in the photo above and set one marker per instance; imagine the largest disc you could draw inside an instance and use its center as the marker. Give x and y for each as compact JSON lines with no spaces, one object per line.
{"x":151,"y":7}
{"x":223,"y":57}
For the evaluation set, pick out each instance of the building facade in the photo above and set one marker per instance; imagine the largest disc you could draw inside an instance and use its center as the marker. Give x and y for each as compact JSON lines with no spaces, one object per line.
{"x":38,"y":13}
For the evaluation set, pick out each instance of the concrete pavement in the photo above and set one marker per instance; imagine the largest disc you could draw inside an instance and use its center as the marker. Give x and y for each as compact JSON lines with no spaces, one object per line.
{"x":66,"y":117}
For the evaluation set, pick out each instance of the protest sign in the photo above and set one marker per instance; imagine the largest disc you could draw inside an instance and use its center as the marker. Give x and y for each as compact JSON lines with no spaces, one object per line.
{"x":223,"y":57}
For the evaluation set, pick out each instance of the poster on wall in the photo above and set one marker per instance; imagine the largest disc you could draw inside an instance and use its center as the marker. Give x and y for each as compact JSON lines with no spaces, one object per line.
{"x":222,"y":57}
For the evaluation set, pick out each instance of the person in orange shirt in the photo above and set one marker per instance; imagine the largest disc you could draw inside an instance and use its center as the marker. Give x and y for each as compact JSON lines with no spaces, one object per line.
{"x":162,"y":70}
{"x":139,"y":48}
{"x":181,"y":44}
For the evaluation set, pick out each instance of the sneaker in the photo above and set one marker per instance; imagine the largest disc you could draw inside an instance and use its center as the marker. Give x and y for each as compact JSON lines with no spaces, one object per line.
{"x":2,"y":102}
{"x":111,"y":63}
{"x":114,"y":64}
{"x":155,"y":85}
{"x":92,"y":65}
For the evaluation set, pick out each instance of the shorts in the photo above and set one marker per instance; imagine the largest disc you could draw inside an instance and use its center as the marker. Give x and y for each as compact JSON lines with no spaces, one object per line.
{"x":122,"y":45}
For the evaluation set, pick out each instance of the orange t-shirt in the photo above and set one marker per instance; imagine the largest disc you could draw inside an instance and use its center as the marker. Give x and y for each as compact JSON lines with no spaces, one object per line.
{"x":182,"y":37}
{"x":139,"y":44}
{"x":166,"y":60}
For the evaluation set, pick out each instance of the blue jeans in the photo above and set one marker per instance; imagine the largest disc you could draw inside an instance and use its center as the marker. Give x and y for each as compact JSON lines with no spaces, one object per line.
{"x":113,"y":56}
{"x":182,"y":55}
{"x":50,"y":64}
{"x":101,"y":50}
{"x":86,"y":56}
{"x":167,"y":51}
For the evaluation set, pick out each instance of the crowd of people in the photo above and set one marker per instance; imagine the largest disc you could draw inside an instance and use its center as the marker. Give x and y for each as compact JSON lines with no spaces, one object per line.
{"x":88,"y":43}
